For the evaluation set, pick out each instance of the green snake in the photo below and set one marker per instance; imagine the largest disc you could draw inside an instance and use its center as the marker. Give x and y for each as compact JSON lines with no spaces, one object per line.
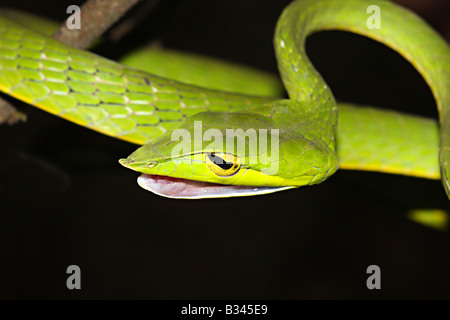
{"x":203,"y":142}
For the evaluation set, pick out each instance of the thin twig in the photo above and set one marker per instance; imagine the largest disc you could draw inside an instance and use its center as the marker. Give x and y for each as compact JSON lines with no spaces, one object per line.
{"x":9,"y":114}
{"x":130,"y":22}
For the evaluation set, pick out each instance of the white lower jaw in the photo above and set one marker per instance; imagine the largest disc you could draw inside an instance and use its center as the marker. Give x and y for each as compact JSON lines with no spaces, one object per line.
{"x":189,"y":189}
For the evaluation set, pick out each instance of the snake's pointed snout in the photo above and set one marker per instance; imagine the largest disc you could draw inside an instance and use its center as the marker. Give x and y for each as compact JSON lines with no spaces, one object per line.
{"x":126,"y":162}
{"x":130,"y":164}
{"x":137,"y":165}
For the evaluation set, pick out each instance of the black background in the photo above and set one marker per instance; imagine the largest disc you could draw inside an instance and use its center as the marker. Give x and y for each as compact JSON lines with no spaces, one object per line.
{"x":65,"y":200}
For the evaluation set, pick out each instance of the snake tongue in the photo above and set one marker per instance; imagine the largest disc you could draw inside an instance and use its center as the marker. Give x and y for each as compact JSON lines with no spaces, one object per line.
{"x":189,"y":189}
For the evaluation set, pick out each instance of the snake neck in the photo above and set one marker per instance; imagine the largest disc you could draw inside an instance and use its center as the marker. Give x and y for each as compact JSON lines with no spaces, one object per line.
{"x":399,"y":29}
{"x":425,"y":50}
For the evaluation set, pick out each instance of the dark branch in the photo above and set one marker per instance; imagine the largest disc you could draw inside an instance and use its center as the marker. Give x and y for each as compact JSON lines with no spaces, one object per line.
{"x":96,"y":17}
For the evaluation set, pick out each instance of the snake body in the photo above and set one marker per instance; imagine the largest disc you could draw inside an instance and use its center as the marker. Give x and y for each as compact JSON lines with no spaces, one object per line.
{"x":139,"y":107}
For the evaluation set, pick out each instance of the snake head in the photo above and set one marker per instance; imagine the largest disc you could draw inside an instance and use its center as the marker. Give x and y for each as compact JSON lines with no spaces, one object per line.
{"x":205,"y":158}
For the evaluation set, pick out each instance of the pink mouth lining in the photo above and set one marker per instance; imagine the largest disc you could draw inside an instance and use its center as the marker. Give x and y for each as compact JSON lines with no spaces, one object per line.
{"x":190,"y":189}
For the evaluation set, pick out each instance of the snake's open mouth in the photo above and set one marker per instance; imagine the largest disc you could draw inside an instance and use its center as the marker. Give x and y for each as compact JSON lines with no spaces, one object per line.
{"x":189,"y":189}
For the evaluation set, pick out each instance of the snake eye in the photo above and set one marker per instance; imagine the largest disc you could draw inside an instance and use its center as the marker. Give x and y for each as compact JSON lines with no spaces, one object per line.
{"x":223,"y":164}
